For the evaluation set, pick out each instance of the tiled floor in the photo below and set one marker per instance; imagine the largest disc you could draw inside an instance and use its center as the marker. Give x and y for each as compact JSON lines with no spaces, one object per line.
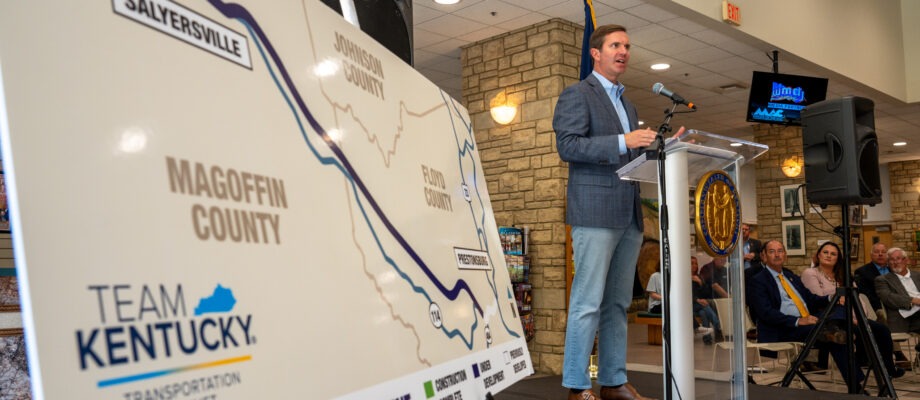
{"x":648,"y":358}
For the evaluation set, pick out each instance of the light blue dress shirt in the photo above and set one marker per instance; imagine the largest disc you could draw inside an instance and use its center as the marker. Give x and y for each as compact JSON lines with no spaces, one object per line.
{"x":615,"y":92}
{"x":787,"y":306}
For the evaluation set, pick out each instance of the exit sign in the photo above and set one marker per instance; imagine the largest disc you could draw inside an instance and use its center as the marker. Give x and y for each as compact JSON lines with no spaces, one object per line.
{"x":731,"y":13}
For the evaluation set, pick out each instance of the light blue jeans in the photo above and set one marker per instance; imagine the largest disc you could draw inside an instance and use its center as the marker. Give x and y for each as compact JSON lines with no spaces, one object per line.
{"x":605,"y":267}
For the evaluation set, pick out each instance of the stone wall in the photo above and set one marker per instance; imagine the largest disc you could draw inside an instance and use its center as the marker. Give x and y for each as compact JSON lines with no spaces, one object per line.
{"x":526,"y":178}
{"x":905,"y":205}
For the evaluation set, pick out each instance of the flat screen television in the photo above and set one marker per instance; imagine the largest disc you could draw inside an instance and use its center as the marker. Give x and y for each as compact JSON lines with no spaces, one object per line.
{"x":780,"y":98}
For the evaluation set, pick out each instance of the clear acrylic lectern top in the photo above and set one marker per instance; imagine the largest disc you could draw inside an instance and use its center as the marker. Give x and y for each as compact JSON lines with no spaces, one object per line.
{"x":705,"y":152}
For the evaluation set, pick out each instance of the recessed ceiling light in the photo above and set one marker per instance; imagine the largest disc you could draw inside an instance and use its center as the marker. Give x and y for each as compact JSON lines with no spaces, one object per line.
{"x":660,"y":66}
{"x":899,"y":144}
{"x":447,"y":1}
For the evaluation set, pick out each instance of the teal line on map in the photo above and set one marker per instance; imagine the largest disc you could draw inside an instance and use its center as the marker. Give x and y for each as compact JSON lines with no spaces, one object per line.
{"x":466,"y":148}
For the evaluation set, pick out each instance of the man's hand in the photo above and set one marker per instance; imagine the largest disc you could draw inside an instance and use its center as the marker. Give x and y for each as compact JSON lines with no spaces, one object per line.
{"x":809,"y":320}
{"x":644,"y":137}
{"x":915,"y":301}
{"x":640,"y":138}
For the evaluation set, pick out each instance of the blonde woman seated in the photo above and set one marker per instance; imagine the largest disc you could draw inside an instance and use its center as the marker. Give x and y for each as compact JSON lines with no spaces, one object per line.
{"x":823,"y":279}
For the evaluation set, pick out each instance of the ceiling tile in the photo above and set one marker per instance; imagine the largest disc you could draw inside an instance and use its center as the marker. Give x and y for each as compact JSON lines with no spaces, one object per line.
{"x":631,"y":22}
{"x":421,"y":13}
{"x":423,"y":38}
{"x":651,"y":34}
{"x":451,"y":25}
{"x":484,"y":33}
{"x":651,"y":13}
{"x":482,"y":12}
{"x":523,"y":21}
{"x":535,"y":5}
{"x":620,"y":4}
{"x":684,"y":26}
{"x":675,"y":45}
{"x":449,"y":48}
{"x":571,"y":10}
{"x":707,"y":55}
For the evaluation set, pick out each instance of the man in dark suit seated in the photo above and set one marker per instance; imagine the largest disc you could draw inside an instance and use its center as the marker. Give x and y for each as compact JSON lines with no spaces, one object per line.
{"x":899,"y":292}
{"x":865,"y":275}
{"x":784,"y":315}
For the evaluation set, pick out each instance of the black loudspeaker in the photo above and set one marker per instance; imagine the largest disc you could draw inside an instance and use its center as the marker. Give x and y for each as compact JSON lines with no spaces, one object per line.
{"x":841,"y":152}
{"x":387,"y":21}
{"x":390,"y":22}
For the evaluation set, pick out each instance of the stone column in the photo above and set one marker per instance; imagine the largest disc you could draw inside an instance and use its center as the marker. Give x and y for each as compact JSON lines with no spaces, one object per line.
{"x":526,"y":179}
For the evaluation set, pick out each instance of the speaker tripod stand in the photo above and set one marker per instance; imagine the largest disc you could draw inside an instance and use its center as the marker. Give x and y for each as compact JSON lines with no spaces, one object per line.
{"x":852,"y":306}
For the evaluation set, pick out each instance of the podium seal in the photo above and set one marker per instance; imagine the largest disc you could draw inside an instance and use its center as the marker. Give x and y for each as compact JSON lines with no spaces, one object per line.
{"x":717,"y":213}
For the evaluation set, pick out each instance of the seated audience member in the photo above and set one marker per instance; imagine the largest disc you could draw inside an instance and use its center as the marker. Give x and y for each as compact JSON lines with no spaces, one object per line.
{"x":899,"y":293}
{"x":785,"y":308}
{"x":654,"y":290}
{"x":702,"y":308}
{"x":715,"y":279}
{"x":865,"y":276}
{"x":823,"y":279}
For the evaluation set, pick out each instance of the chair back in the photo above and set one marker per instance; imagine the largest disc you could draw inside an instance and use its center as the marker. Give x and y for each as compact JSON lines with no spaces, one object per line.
{"x":723,"y":308}
{"x":867,"y":307}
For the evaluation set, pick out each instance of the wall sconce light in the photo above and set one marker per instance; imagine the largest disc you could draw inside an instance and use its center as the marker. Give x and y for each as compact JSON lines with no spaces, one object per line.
{"x":503,"y":111}
{"x":792,"y":167}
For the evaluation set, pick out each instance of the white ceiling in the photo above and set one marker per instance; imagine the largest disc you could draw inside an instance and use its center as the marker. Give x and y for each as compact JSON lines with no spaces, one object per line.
{"x":702,"y":60}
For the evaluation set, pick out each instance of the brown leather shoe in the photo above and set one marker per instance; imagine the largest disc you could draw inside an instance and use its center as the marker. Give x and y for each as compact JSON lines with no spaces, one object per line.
{"x":586,"y":394}
{"x":624,"y":392}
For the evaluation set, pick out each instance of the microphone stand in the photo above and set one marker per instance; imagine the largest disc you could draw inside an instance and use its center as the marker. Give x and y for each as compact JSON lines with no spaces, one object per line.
{"x":659,"y":152}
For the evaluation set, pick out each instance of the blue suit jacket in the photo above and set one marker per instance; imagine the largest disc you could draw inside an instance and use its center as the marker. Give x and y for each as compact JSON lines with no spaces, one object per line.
{"x":587,"y":126}
{"x":865,"y":281}
{"x":764,"y":300}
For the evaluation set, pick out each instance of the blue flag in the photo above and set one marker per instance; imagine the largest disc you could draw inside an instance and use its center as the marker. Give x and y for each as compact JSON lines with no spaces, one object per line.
{"x":587,"y":63}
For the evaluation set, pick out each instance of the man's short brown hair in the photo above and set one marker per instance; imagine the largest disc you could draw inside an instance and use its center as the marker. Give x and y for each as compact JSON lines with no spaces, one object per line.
{"x":597,"y":38}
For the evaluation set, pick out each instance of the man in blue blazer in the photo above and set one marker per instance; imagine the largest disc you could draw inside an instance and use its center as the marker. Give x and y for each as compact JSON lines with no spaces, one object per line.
{"x":865,"y":275}
{"x":597,"y":133}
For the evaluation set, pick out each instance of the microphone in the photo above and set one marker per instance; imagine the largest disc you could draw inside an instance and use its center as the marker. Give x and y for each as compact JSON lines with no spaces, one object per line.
{"x":659,"y":88}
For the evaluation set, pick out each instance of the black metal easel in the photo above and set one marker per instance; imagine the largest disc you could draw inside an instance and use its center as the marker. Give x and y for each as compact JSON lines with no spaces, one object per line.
{"x":851,"y":295}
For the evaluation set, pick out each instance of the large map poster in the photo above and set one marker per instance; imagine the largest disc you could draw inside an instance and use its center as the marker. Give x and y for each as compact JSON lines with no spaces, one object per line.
{"x":244,"y":200}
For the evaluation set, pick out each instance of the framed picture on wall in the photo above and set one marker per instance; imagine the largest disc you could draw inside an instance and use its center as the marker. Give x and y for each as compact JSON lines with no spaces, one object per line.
{"x":792,"y":202}
{"x":856,"y":215}
{"x":794,"y":237}
{"x":855,"y":250}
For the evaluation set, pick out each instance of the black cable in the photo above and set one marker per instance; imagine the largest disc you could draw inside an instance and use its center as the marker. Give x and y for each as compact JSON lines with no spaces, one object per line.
{"x":812,"y":205}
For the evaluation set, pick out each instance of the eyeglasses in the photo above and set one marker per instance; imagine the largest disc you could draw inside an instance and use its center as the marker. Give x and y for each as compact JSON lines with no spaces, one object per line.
{"x":776,"y":251}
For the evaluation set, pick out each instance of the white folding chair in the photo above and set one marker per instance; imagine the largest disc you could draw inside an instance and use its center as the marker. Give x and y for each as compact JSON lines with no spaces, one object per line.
{"x":723,"y":311}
